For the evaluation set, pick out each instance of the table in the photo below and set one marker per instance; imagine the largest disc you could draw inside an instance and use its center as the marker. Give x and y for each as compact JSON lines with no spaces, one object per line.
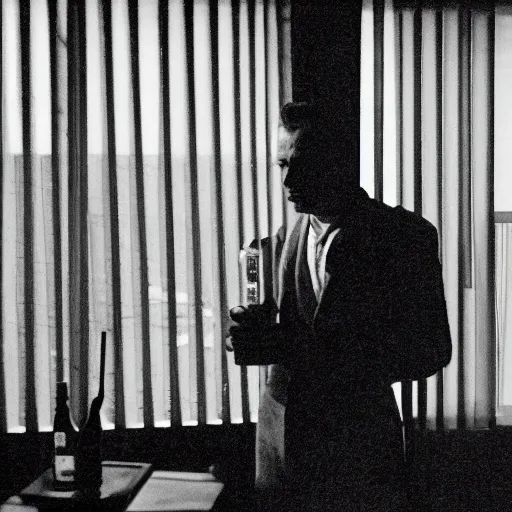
{"x":133,"y":487}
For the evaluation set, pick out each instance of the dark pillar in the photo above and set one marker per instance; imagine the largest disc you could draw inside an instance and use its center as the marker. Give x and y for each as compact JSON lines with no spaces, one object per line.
{"x":326,"y":57}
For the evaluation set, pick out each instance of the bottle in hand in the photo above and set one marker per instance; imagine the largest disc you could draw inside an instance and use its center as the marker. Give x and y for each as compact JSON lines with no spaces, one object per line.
{"x":255,"y":316}
{"x":65,"y":436}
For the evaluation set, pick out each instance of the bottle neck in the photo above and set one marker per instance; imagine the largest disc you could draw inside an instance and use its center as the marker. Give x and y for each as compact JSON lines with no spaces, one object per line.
{"x":62,"y":407}
{"x":63,"y":420}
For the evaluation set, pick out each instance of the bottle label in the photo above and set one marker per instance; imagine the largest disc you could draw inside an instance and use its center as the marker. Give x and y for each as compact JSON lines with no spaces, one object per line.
{"x":59,"y":439}
{"x":65,"y":468}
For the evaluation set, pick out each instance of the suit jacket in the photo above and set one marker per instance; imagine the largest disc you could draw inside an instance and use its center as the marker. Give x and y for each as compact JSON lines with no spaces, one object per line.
{"x":381,"y":319}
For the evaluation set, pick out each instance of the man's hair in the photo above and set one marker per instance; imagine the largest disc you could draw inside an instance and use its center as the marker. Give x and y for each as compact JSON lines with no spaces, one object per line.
{"x":316,"y":120}
{"x":298,"y":114}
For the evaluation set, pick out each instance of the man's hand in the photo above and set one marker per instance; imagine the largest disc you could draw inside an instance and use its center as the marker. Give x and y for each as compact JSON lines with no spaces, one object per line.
{"x":268,"y":345}
{"x":254,"y":336}
{"x":251,"y":318}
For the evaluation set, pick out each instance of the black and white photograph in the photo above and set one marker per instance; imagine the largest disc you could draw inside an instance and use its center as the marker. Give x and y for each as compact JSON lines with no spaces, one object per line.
{"x":256,"y":255}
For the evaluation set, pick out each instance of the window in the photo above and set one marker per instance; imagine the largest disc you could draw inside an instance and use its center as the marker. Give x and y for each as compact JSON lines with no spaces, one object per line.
{"x":141,"y":135}
{"x":503,"y":210}
{"x":435,"y":119}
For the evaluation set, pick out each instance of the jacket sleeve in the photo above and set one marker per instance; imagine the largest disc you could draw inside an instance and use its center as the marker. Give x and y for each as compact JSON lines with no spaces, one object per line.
{"x":418,"y":340}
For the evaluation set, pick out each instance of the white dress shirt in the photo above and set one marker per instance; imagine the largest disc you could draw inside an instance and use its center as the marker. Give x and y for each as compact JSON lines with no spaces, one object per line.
{"x":319,"y":241}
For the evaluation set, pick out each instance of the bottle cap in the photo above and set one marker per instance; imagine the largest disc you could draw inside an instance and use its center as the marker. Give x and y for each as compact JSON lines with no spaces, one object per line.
{"x":62,"y":391}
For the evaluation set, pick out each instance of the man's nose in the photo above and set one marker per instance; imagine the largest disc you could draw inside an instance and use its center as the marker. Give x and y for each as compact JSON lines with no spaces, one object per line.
{"x":293,"y":176}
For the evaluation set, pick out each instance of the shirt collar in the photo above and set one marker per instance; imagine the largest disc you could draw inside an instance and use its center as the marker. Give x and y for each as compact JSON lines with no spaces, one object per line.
{"x":319,"y":230}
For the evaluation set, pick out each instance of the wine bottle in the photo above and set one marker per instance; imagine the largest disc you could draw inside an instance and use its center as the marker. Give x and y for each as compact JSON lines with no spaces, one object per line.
{"x":64,"y":442}
{"x":89,"y":469}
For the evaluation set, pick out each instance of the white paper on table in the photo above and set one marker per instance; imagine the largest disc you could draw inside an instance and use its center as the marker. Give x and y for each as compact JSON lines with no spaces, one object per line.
{"x":177,"y":491}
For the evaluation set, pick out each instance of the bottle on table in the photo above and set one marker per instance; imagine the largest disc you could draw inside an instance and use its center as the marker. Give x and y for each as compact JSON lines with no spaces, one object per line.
{"x":89,"y":468}
{"x":65,"y":435}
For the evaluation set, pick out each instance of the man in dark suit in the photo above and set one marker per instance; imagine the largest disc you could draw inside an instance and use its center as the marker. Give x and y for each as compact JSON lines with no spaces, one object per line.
{"x":361,"y":305}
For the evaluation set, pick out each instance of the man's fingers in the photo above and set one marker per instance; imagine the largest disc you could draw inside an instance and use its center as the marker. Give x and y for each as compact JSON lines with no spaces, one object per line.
{"x":239,"y":314}
{"x":239,"y":334}
{"x":242,"y":334}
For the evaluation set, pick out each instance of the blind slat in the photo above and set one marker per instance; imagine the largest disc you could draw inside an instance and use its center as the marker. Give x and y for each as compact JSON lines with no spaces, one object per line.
{"x":230,"y":157}
{"x":465,"y":140}
{"x":220,"y":292}
{"x":285,"y":79}
{"x":418,"y":167}
{"x":31,"y":416}
{"x":284,"y":8}
{"x":56,"y":184}
{"x":406,"y":186}
{"x":247,"y":162}
{"x":3,"y":409}
{"x":408,"y":114}
{"x":450,"y":240}
{"x":120,"y":419}
{"x":128,"y":227}
{"x":400,"y":106}
{"x":438,"y":392}
{"x":273,"y":104}
{"x":169,"y":220}
{"x":430,"y":169}
{"x":64,"y":160}
{"x":12,"y":222}
{"x":378,"y":109}
{"x":81,"y":148}
{"x":251,"y":7}
{"x":147,"y":391}
{"x":78,"y":293}
{"x":238,"y":122}
{"x":417,"y":61}
{"x":268,"y":117}
{"x":44,"y":217}
{"x":465,"y":278}
{"x":483,"y":207}
{"x":269,"y":292}
{"x":193,"y":231}
{"x":149,"y":63}
{"x":238,"y":165}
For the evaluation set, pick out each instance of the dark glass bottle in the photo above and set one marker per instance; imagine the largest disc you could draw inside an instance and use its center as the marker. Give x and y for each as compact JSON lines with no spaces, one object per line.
{"x":65,"y":436}
{"x":88,"y":455}
{"x":89,"y":470}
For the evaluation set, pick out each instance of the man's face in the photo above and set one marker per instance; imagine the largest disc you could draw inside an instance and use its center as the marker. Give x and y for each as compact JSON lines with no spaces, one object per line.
{"x":314,"y":184}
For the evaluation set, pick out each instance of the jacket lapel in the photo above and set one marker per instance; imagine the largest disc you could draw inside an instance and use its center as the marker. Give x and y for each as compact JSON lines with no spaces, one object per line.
{"x":287,"y":299}
{"x":343,"y":261}
{"x":305,"y":294}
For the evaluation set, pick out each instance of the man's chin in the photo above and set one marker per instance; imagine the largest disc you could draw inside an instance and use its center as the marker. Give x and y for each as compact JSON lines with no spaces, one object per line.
{"x":303,"y":208}
{"x":310,"y":209}
{"x":299,"y":207}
